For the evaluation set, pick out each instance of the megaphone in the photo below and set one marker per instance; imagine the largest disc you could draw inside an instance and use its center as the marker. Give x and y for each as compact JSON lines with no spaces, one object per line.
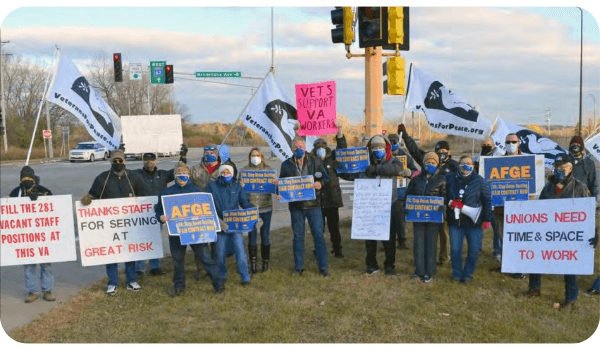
{"x":471,"y":212}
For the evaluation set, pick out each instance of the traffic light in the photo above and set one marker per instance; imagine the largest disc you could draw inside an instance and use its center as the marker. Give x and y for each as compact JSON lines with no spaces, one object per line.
{"x":118,"y":67}
{"x":372,"y":26}
{"x":398,"y":28}
{"x":169,"y":74}
{"x":395,"y":69}
{"x":342,"y":18}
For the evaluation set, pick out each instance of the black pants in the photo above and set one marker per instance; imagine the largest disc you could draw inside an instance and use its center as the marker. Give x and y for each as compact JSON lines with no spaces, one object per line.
{"x":389,"y":246}
{"x":400,"y":226}
{"x":332,"y":217}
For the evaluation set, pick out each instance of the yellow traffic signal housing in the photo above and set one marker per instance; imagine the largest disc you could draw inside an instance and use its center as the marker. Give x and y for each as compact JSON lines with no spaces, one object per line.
{"x":396,"y":72}
{"x":348,"y":26}
{"x":395,"y":25}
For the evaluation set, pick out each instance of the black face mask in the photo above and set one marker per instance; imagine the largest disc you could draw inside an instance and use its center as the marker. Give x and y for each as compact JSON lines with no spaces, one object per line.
{"x":575,"y":149}
{"x":27,"y":184}
{"x":118,"y":167}
{"x":486,"y":149}
{"x":443,"y":157}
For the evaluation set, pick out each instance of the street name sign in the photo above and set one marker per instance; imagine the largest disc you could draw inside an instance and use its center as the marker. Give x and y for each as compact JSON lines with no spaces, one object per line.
{"x":218,"y":74}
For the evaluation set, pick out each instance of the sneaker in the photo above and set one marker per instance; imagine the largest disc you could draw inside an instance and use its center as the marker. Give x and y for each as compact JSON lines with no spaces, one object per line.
{"x":48,"y":296}
{"x":371,"y":270}
{"x":591,"y":292}
{"x":134,"y":286}
{"x":31,"y":297}
{"x":157,"y":272}
{"x":324,"y":273}
{"x":427,"y":279}
{"x":567,"y":306}
{"x":533,"y":293}
{"x":389,"y":271}
{"x":498,"y":257}
{"x":111,"y":290}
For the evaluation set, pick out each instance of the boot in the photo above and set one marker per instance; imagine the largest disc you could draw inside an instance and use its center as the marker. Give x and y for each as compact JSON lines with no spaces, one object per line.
{"x":252,"y":251}
{"x":402,"y":244}
{"x":337,"y":252}
{"x":265,"y":253}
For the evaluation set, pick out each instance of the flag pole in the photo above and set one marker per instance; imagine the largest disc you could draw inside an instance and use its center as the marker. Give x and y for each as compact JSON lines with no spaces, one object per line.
{"x":407,"y":90}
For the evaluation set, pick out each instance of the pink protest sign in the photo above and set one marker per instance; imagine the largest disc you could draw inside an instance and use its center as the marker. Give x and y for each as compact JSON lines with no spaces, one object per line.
{"x":315,"y":105}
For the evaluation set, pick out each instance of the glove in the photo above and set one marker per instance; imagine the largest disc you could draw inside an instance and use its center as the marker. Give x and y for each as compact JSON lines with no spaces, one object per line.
{"x":338,"y":124}
{"x":415,"y":174}
{"x":163,"y":218}
{"x":224,"y":226}
{"x":296,"y":125}
{"x":184,"y":150}
{"x":486,"y":225}
{"x":457,"y":203}
{"x":86,"y":199}
{"x":594,"y":241}
{"x":405,"y":172}
{"x":401,"y":129}
{"x":371,"y":171}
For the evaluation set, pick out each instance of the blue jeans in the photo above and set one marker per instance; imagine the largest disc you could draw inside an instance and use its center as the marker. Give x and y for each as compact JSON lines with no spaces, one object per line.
{"x":152,"y":263}
{"x":31,"y":280}
{"x":265,"y":230}
{"x":112,"y":271}
{"x":457,"y":237}
{"x":201,"y":253}
{"x":315,"y":221}
{"x":571,"y":287}
{"x":425,"y":248}
{"x":237,"y":239}
{"x":596,"y":284}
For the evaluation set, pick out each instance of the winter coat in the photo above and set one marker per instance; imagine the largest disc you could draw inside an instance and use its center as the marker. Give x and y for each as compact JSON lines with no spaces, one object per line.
{"x":264,"y":201}
{"x":110,"y":185}
{"x":476,"y":194}
{"x":155,"y":182}
{"x":449,"y":167}
{"x":572,"y":188}
{"x":174,"y":189}
{"x":331,"y":193}
{"x":34,"y":192}
{"x":228,"y":196}
{"x":201,"y":177}
{"x":584,"y":170}
{"x":434,"y":186}
{"x":311,"y":166}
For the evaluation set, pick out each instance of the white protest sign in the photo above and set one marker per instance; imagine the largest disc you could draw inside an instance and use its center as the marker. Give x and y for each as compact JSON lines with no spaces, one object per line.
{"x":549,"y":236}
{"x":39,"y":231}
{"x":372,"y":209}
{"x":118,"y":230}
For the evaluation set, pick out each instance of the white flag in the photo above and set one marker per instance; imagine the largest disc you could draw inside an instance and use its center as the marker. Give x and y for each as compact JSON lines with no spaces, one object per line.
{"x":445,"y":111}
{"x":272,"y":115}
{"x":593,"y":146}
{"x":71,"y":90}
{"x":531,"y":141}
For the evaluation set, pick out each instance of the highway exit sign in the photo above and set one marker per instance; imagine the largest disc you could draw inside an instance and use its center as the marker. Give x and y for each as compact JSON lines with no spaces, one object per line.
{"x":157,"y":72}
{"x":218,"y":74}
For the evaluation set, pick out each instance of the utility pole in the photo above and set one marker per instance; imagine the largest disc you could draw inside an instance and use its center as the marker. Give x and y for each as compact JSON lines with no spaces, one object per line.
{"x":373,"y":92}
{"x":2,"y":101}
{"x":548,"y":121}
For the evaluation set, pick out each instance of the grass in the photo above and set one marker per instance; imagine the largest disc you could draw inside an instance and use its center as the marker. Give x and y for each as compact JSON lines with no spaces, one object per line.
{"x":345,"y":307}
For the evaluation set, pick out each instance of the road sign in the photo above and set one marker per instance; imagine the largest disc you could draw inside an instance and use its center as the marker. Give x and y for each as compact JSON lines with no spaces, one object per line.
{"x":157,"y":72}
{"x":218,"y":74}
{"x":135,"y":71}
{"x":47,"y":134}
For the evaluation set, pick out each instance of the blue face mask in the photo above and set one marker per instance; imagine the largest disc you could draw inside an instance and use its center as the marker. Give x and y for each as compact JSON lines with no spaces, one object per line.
{"x":559,"y":174}
{"x":466,"y":169}
{"x":321,"y":152}
{"x":379,"y":153}
{"x":209,"y":158}
{"x":182,"y":179}
{"x":430,"y":168}
{"x":299,"y":152}
{"x":227,"y":179}
{"x":395,"y":146}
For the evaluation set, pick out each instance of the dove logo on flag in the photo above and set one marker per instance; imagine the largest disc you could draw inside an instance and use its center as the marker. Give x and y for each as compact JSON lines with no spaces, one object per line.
{"x":439,"y":97}
{"x":284,"y":116}
{"x":82,"y":88}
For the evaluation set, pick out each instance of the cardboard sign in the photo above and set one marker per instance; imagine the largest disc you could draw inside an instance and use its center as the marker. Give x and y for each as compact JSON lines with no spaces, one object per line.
{"x":549,"y":236}
{"x":424,"y":209}
{"x":240,"y":220}
{"x":39,"y":231}
{"x":520,"y":168}
{"x":118,"y":230}
{"x":259,"y":181}
{"x":315,"y":105}
{"x":297,"y":188}
{"x":352,"y":160}
{"x":192,"y":217}
{"x":503,"y":191}
{"x":371,"y":210}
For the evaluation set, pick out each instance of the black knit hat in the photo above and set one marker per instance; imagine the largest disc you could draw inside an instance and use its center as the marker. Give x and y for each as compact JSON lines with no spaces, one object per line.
{"x":394,"y":138}
{"x":442,"y":145}
{"x":562,"y":158}
{"x":149,"y":156}
{"x":27,"y":172}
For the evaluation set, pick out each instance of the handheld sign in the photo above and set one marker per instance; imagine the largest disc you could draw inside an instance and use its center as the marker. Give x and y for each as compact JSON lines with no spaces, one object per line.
{"x":297,"y":188}
{"x":259,"y":181}
{"x":371,"y":210}
{"x":508,"y":169}
{"x":549,"y":236}
{"x":118,"y":230}
{"x":240,"y":220}
{"x":503,"y":191}
{"x":424,"y":209}
{"x":352,"y":160}
{"x":39,"y":231}
{"x":401,"y":181}
{"x":192,"y":217}
{"x":315,"y":107}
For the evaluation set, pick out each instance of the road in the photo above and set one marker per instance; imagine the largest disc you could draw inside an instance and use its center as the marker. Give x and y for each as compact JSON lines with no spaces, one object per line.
{"x":76,"y":178}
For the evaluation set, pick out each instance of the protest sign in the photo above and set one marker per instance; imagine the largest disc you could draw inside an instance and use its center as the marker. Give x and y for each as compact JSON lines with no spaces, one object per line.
{"x":549,"y":236}
{"x":240,"y":220}
{"x":352,"y":160}
{"x":192,"y":217}
{"x":39,"y":231}
{"x":503,"y":191}
{"x":297,"y":188}
{"x":118,"y":230}
{"x":371,"y":210}
{"x":315,"y":104}
{"x":518,"y":168}
{"x":424,"y":209}
{"x":259,"y":181}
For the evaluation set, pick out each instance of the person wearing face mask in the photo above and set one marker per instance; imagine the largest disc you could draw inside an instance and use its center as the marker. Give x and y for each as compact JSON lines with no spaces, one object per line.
{"x":117,"y":182}
{"x":229,"y":195}
{"x":447,"y":166}
{"x":183,"y":184}
{"x":385,"y":166}
{"x":466,"y":188}
{"x":561,"y":184}
{"x":331,"y":195}
{"x":206,"y":171}
{"x":583,"y":166}
{"x":301,"y":164}
{"x":430,"y":182}
{"x":29,"y":187}
{"x":264,"y":202}
{"x":154,"y":180}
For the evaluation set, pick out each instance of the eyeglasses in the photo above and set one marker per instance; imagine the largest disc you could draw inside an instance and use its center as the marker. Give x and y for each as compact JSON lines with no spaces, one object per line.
{"x":210,"y":148}
{"x":508,"y":142}
{"x":118,"y":161}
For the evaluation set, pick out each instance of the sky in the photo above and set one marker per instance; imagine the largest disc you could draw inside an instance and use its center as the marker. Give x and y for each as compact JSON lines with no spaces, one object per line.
{"x":511,"y":62}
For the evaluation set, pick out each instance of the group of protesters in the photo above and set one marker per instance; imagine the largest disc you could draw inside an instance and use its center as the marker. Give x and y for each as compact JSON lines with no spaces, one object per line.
{"x":424,"y":173}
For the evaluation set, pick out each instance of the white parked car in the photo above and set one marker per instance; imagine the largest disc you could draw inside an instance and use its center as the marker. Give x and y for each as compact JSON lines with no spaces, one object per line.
{"x":88,"y":151}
